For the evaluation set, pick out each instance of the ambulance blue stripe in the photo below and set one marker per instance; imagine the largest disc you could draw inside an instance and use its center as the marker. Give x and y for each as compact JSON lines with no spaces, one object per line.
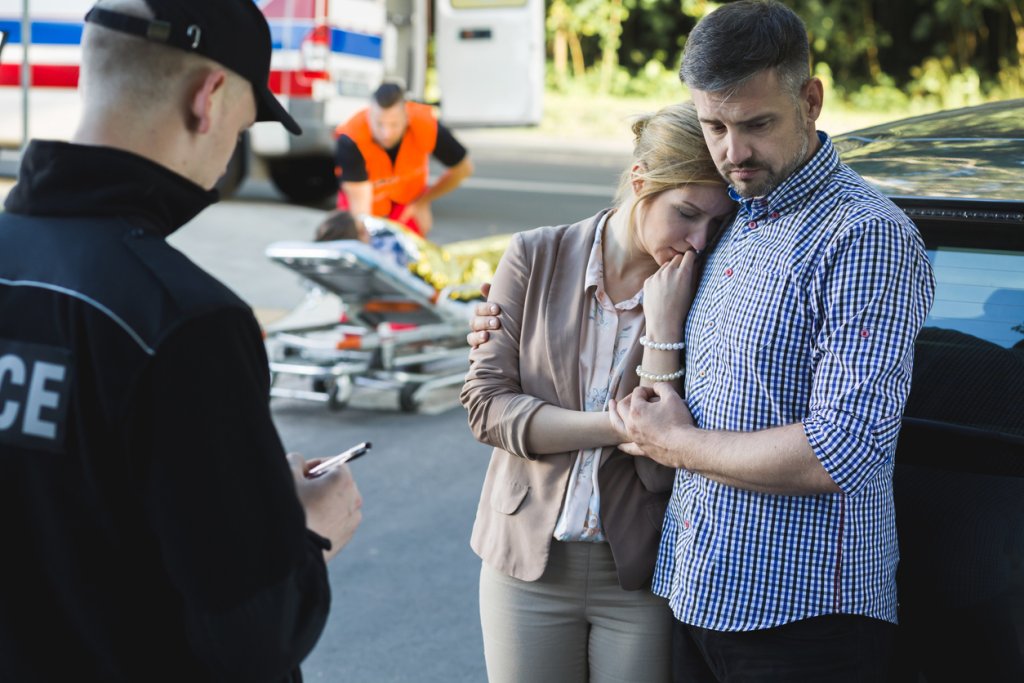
{"x":290,"y":37}
{"x":357,"y":44}
{"x":44,"y":32}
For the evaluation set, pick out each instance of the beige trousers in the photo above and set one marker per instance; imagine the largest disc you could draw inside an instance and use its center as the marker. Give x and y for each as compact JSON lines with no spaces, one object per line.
{"x":573,"y":625}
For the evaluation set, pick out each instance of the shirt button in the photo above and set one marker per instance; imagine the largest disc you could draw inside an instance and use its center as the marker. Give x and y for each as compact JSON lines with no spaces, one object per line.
{"x":752,"y":224}
{"x":711,"y":324}
{"x":701,"y":373}
{"x":728,"y":272}
{"x":865,"y":334}
{"x":775,"y":214}
{"x":686,"y":524}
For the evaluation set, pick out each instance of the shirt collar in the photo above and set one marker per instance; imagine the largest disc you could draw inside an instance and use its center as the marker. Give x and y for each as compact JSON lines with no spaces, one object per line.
{"x":797,"y":189}
{"x":594,"y":279}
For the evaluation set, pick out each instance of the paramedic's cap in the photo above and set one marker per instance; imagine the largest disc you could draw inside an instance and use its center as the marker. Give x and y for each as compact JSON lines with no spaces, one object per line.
{"x":232,"y":33}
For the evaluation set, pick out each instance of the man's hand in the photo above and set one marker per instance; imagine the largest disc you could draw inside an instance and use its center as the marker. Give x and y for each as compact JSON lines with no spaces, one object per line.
{"x":485,"y":318}
{"x":331,"y":501}
{"x":420,"y":210}
{"x":648,"y":417}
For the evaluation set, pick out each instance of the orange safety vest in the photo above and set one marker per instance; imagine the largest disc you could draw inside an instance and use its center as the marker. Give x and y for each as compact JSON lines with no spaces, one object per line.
{"x":405,"y":179}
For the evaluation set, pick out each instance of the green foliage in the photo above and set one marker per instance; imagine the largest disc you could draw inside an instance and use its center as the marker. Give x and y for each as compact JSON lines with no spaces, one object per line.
{"x":876,"y":53}
{"x":883,"y":96}
{"x":940,"y":81}
{"x":1009,"y":82}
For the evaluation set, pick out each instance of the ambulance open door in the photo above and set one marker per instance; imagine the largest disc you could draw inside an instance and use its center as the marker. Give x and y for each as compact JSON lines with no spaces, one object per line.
{"x":490,"y":61}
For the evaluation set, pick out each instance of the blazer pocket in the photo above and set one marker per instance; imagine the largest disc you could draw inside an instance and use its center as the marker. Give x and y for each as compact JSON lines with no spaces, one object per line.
{"x":507,"y":499}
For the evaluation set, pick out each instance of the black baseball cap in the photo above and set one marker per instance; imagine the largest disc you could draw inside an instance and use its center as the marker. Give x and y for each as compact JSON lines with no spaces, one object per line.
{"x":233,"y":33}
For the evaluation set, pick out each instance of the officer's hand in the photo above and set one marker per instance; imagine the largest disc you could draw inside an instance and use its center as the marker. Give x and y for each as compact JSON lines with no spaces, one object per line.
{"x":332,"y":502}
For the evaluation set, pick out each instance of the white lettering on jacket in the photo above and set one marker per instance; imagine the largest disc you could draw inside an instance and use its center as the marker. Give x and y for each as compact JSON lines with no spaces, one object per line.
{"x":34,"y":394}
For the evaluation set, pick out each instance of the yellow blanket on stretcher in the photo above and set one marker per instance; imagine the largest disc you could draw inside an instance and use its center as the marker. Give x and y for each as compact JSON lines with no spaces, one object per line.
{"x":457,"y":269}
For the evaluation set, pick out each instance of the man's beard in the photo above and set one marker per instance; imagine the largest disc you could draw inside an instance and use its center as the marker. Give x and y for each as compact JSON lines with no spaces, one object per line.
{"x":773,"y":178}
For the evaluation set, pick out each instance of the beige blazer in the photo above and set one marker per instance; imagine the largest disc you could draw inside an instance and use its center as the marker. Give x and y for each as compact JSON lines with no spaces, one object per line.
{"x":535,"y":361}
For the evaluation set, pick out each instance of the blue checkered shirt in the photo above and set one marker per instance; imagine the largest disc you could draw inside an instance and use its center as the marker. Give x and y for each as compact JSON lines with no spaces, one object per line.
{"x":806,"y":313}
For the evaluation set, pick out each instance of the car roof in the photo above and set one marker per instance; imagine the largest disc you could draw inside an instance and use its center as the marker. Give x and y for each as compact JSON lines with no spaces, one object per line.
{"x":974,"y":154}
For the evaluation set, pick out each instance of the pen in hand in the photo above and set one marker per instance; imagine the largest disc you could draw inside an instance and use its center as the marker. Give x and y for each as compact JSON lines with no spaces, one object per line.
{"x":329,"y":464}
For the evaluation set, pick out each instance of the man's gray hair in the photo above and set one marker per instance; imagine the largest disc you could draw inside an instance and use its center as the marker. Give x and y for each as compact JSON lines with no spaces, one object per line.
{"x":740,"y":39}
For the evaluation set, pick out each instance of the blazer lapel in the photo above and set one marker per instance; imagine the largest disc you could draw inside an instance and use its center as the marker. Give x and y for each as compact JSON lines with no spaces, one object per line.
{"x":566,"y":308}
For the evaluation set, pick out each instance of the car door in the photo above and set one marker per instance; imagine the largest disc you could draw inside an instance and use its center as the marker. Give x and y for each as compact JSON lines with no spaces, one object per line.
{"x":959,"y":476}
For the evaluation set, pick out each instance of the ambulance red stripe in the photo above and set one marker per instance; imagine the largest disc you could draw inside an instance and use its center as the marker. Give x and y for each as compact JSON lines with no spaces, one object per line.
{"x":43,"y":75}
{"x":289,"y":83}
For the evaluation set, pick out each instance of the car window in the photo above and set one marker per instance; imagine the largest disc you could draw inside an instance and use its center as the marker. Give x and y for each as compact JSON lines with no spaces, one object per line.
{"x":979,"y":292}
{"x":959,"y":475}
{"x":969,"y":357}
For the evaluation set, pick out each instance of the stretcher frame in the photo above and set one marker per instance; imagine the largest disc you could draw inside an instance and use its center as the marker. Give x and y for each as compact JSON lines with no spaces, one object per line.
{"x":399,"y":333}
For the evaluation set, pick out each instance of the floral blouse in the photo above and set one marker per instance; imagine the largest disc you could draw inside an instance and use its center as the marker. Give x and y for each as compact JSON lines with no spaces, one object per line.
{"x":609,"y":331}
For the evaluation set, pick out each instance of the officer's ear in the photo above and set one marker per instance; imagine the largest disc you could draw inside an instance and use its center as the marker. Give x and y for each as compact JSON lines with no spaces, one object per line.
{"x":203,"y":96}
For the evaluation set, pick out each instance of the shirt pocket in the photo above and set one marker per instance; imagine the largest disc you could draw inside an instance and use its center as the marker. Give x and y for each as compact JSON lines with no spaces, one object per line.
{"x":507,"y":497}
{"x":757,"y":310}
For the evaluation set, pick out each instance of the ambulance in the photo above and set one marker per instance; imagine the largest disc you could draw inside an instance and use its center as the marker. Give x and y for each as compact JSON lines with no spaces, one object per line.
{"x":328,"y":57}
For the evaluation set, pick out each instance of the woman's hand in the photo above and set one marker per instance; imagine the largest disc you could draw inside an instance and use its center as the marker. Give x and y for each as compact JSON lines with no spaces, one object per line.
{"x":668,"y":295}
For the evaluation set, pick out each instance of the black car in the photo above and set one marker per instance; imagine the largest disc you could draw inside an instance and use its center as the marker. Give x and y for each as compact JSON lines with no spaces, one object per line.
{"x":959,"y":478}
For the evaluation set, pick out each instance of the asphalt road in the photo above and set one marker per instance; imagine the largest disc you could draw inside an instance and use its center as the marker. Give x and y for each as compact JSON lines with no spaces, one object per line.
{"x":405,"y":590}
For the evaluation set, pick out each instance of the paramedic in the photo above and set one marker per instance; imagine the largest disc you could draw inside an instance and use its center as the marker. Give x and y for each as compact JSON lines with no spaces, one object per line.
{"x":156,"y":530}
{"x":383,"y":160}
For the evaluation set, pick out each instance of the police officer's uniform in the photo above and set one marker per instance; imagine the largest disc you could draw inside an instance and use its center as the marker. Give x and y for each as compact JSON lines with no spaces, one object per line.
{"x":153,"y":532}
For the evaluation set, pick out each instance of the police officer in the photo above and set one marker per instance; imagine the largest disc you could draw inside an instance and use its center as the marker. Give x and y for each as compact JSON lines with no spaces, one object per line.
{"x":154,"y":529}
{"x":383,"y":160}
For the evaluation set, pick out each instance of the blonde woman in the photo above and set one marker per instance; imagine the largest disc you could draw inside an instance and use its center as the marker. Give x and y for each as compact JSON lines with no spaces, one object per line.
{"x":568,"y":526}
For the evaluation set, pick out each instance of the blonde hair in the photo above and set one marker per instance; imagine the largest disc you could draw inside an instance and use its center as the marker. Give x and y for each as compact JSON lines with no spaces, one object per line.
{"x":669,"y":148}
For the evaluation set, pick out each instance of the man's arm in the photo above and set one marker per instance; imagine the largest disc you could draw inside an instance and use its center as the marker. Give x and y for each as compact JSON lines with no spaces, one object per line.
{"x":360,"y":197}
{"x":777,"y":460}
{"x":448,"y":181}
{"x":353,"y":178}
{"x":455,"y":158}
{"x":243,"y":553}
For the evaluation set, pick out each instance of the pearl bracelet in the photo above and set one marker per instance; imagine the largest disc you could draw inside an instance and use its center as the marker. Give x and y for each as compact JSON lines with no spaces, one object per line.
{"x":662,"y":346}
{"x":651,"y":377}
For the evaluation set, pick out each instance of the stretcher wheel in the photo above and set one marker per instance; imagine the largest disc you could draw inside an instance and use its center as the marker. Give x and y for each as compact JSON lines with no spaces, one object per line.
{"x":334,"y":401}
{"x":407,"y":397}
{"x":339,"y":391}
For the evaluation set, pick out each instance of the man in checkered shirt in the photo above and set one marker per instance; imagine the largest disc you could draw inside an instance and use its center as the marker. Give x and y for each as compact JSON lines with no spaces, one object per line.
{"x":779,"y":551}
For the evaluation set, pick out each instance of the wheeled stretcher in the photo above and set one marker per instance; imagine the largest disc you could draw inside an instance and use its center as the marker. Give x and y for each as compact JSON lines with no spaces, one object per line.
{"x":366,"y":321}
